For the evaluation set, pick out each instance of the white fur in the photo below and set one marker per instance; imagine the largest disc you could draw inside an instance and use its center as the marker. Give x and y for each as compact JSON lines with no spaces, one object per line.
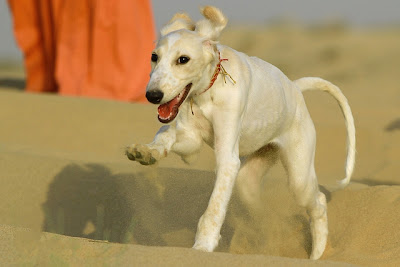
{"x":249,"y":124}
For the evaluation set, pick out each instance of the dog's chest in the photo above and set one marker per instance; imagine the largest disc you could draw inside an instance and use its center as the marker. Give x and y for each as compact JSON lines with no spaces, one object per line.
{"x":202,"y":120}
{"x":256,"y":130}
{"x":253,"y":136}
{"x":261,"y":124}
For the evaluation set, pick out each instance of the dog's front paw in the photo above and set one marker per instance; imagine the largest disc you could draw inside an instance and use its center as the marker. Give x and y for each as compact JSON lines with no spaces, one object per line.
{"x":202,"y":247}
{"x":206,"y":245}
{"x":142,"y":154}
{"x":207,"y":236}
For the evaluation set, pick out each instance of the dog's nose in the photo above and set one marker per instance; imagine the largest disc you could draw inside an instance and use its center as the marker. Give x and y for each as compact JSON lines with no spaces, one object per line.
{"x":154,"y":96}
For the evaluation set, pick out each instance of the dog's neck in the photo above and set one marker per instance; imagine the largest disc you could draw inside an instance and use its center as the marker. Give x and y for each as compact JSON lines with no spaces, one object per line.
{"x":216,"y":72}
{"x":218,"y":69}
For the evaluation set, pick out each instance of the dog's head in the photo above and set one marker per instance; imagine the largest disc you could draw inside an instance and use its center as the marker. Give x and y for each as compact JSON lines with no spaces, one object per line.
{"x":183,"y":59}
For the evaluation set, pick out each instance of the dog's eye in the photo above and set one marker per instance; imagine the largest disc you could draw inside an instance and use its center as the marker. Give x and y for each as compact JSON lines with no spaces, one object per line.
{"x":183,"y":60}
{"x":154,"y":57}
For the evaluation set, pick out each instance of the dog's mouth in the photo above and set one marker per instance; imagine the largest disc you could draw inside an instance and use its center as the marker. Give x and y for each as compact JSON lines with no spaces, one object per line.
{"x":167,"y":112}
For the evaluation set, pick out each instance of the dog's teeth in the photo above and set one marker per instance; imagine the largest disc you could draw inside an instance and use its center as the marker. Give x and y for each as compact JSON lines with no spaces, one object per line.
{"x":180,"y":95}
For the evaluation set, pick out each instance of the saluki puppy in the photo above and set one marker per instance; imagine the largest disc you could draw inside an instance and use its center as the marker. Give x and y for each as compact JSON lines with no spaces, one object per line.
{"x":245,"y":109}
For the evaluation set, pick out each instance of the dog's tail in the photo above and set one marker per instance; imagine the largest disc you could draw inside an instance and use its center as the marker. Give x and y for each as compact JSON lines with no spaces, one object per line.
{"x":311,"y":83}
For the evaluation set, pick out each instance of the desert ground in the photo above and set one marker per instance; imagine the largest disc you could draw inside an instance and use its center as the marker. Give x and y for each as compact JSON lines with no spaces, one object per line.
{"x":69,"y":195}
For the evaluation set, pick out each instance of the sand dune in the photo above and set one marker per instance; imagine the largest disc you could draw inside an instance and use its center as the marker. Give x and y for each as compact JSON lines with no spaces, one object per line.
{"x":68,"y":194}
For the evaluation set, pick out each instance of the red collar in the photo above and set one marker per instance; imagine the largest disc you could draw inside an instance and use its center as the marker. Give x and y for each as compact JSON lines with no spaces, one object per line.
{"x":216,"y":72}
{"x":218,"y":69}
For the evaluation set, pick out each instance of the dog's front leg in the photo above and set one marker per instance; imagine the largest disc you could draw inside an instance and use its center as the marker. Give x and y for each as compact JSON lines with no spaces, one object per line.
{"x":150,"y":153}
{"x":226,"y":145}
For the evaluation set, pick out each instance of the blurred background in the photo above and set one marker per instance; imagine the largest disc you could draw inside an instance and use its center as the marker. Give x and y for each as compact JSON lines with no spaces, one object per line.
{"x":354,"y":13}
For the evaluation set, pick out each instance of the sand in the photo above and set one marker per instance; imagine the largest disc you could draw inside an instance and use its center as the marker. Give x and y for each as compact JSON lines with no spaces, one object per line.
{"x":69,"y":196}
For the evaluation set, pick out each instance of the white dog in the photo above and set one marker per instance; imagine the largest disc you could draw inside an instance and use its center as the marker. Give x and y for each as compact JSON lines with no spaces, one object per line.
{"x":243,"y":107}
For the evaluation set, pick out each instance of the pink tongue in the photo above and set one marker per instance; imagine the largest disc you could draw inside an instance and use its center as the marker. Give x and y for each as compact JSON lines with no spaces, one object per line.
{"x":165,"y":110}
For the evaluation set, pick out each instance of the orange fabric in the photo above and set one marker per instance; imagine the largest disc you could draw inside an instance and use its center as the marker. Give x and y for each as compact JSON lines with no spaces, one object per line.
{"x":96,"y":48}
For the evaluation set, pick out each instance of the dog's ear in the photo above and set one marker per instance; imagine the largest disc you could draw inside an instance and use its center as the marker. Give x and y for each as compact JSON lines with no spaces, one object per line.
{"x":178,"y":21}
{"x":212,"y":26}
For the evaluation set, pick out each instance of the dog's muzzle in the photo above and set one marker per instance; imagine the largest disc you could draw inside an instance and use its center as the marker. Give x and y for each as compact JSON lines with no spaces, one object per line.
{"x":154,"y":96}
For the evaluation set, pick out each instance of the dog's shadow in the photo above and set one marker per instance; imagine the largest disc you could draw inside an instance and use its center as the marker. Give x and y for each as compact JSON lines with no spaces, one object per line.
{"x":159,"y":207}
{"x":89,"y":201}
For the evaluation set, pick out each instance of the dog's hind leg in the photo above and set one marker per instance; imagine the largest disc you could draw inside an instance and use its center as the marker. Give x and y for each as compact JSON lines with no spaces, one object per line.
{"x":252,"y":170}
{"x":249,"y":208}
{"x":297,"y":155}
